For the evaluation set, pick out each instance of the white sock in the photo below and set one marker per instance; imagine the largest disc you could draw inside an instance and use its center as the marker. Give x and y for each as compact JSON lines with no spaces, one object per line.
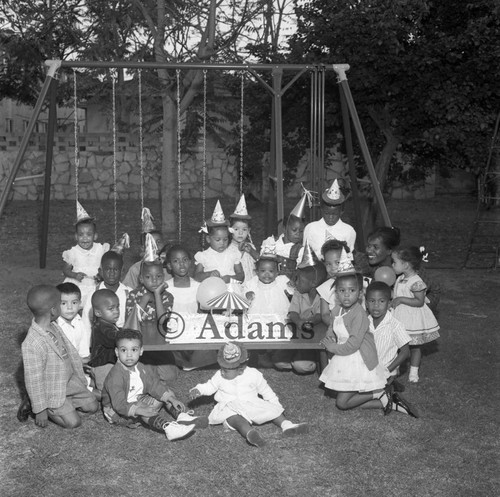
{"x":413,"y":370}
{"x":382,"y":397}
{"x":286,"y":424}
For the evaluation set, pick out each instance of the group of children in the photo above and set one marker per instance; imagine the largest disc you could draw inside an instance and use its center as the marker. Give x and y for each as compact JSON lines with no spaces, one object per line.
{"x":86,"y":341}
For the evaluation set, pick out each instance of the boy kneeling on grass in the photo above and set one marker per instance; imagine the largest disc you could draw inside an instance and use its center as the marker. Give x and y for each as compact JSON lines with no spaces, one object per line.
{"x":392,"y":343}
{"x":133,"y":393}
{"x":53,"y":370}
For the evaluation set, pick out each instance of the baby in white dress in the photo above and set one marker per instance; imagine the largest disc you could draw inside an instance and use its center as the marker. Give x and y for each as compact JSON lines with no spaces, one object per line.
{"x":243,"y":397}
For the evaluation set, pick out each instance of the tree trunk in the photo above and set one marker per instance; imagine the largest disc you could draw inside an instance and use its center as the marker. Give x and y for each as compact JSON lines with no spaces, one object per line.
{"x":381,"y":167}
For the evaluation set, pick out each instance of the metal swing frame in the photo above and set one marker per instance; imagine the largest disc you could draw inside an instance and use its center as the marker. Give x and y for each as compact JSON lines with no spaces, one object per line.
{"x":277,"y":90}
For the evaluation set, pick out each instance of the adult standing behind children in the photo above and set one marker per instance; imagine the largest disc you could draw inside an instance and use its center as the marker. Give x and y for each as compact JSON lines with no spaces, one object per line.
{"x":53,"y":371}
{"x":81,"y":262}
{"x":330,"y":225}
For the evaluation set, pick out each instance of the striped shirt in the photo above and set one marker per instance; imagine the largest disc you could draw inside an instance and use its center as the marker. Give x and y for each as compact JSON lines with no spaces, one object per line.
{"x":390,"y":335}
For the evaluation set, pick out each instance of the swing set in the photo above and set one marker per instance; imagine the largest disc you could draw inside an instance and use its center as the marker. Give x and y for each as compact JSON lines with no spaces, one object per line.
{"x":275,"y":173}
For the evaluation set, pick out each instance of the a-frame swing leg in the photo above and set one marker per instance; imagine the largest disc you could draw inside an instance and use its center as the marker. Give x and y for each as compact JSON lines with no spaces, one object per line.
{"x":352,"y":173}
{"x":344,"y":87}
{"x":49,"y":153}
{"x":53,"y":67}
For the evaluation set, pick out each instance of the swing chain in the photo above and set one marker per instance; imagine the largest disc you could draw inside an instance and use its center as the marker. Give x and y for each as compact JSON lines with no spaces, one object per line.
{"x":242,"y":116}
{"x":115,"y":193}
{"x":179,"y":192}
{"x":204,"y":163}
{"x":141,"y":150}
{"x":75,"y":126}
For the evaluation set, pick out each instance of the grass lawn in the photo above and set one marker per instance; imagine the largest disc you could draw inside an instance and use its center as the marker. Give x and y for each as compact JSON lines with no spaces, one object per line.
{"x":452,"y":450}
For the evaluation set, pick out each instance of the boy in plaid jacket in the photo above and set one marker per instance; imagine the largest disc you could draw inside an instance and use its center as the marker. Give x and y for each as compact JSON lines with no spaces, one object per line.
{"x":53,"y":370}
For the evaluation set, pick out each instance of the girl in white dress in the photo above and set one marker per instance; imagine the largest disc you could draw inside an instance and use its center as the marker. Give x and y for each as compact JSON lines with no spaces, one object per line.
{"x":268,"y":292}
{"x":82,"y":261}
{"x":183,"y":288}
{"x":410,"y":304}
{"x":354,"y":371}
{"x":243,"y":397}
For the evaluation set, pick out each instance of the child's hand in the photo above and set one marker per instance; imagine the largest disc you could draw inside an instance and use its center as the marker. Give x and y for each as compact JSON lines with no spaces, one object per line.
{"x":194,"y":393}
{"x":250,"y":296}
{"x":215,"y":273}
{"x":160,"y":289}
{"x":395,"y":302}
{"x":80,"y":276}
{"x":42,"y":419}
{"x":328,"y":343}
{"x":177,"y":404}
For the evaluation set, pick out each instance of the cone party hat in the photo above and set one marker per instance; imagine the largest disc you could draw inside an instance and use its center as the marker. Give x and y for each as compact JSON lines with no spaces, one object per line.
{"x":82,"y":214}
{"x":147,"y":221}
{"x":122,"y":244}
{"x":150,"y":249}
{"x":241,"y":212}
{"x":218,"y":218}
{"x":309,"y":258}
{"x":333,"y":195}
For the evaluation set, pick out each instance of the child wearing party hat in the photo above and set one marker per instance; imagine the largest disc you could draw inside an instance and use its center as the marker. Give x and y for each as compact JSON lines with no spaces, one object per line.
{"x":147,"y":303}
{"x":305,"y":313}
{"x":217,"y":260}
{"x":288,"y":245}
{"x":81,"y":262}
{"x":243,"y":397}
{"x":268,"y":291}
{"x":132,"y":277}
{"x":241,"y":240}
{"x":330,"y":225}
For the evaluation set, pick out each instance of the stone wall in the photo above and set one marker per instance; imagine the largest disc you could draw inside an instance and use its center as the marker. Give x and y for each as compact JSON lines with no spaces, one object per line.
{"x":95,"y":174}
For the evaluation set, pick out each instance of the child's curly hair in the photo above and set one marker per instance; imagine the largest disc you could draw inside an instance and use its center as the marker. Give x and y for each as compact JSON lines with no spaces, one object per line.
{"x":334,"y":245}
{"x":412,"y":255}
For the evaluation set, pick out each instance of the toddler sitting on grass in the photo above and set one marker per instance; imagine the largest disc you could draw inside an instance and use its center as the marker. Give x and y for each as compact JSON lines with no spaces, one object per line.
{"x":243,"y":397}
{"x":133,"y":393}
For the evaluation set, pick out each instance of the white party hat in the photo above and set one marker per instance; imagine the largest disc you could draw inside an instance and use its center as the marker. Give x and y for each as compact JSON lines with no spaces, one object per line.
{"x":241,"y":212}
{"x":122,"y":244}
{"x":218,"y":218}
{"x":309,"y":258}
{"x":150,"y":249}
{"x":147,"y":221}
{"x":82,"y":214}
{"x":333,"y":195}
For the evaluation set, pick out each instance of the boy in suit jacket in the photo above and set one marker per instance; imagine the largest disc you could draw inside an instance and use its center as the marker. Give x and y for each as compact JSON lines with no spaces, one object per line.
{"x":53,"y":370}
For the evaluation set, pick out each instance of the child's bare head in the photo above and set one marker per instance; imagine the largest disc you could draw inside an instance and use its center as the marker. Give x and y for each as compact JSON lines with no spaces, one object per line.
{"x":111,"y":268}
{"x":44,"y":301}
{"x":128,"y":347}
{"x":106,"y":305}
{"x":71,"y":299}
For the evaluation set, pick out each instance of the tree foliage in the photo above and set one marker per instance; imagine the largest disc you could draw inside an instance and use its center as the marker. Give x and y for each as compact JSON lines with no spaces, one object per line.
{"x":424,"y":74}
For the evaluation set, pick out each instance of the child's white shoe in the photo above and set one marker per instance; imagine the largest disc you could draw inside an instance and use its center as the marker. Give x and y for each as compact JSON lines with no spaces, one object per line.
{"x":187,"y":418}
{"x":291,"y":429}
{"x":175,"y":431}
